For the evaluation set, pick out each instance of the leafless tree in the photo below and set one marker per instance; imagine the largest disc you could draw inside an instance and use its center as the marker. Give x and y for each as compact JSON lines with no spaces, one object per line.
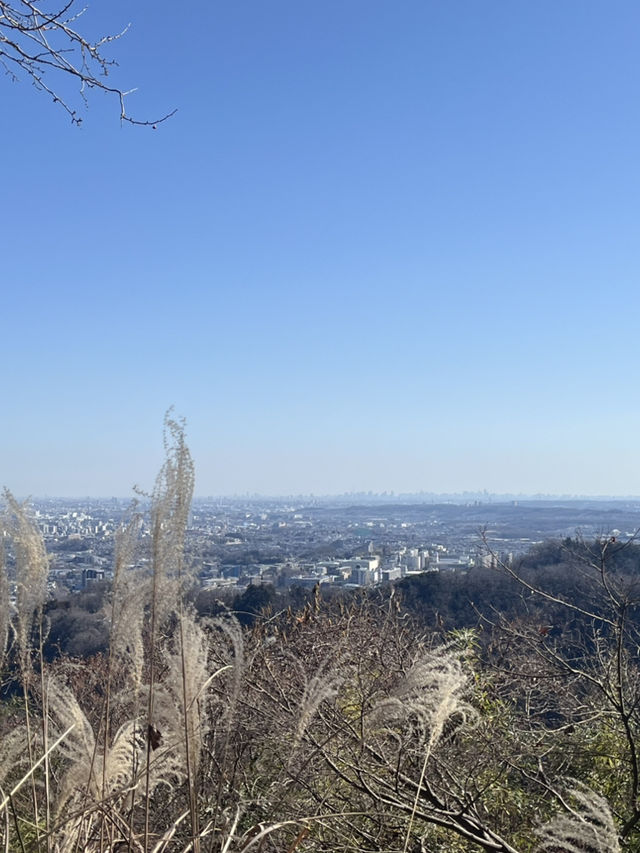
{"x":44,"y":42}
{"x":570,"y":667}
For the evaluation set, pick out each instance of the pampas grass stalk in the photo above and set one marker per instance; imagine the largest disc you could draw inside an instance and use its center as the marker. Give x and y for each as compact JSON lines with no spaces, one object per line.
{"x":125,"y":633}
{"x":188,"y":713}
{"x":33,"y":767}
{"x":5,"y":604}
{"x":170,"y":504}
{"x":434,"y":691}
{"x":589,"y":828}
{"x":32,"y":569}
{"x":233,"y":631}
{"x":152,"y":671}
{"x":322,"y":686}
{"x":7,"y":825}
{"x":45,"y":739}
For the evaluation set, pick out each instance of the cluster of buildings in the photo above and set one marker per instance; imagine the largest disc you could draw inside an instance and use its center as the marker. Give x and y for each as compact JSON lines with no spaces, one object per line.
{"x":286,"y":542}
{"x":365,"y":570}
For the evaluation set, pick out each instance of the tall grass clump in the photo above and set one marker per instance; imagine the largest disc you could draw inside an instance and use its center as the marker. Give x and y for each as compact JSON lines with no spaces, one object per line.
{"x":145,"y":733}
{"x":31,"y":573}
{"x":587,"y":826}
{"x":31,"y":570}
{"x":5,"y":604}
{"x":170,"y":507}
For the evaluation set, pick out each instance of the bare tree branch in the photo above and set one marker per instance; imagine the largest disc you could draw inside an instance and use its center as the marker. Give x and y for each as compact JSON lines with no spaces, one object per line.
{"x":46,"y":46}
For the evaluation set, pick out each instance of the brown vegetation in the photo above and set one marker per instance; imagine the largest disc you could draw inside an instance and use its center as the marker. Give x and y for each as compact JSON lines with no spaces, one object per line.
{"x":344,"y":727}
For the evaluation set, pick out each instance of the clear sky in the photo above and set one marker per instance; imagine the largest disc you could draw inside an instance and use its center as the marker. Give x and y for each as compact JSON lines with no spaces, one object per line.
{"x":381,"y":246}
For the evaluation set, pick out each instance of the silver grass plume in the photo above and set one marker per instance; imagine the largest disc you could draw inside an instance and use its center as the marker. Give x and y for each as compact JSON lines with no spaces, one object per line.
{"x":32,"y":569}
{"x":126,"y":609}
{"x":184,"y":683}
{"x":86,"y":767}
{"x":321,"y":687}
{"x":231,"y":628}
{"x":170,"y":505}
{"x":432,"y":692}
{"x":587,"y":828}
{"x":79,"y":746}
{"x":13,"y":752}
{"x":5,"y":603}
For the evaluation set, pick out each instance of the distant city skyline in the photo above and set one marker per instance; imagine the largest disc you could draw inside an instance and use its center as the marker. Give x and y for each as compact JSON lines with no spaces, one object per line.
{"x":379,"y":248}
{"x":360,"y":499}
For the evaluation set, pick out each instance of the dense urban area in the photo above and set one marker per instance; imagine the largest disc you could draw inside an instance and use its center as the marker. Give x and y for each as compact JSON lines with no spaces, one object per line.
{"x":233,"y":544}
{"x":319,"y":667}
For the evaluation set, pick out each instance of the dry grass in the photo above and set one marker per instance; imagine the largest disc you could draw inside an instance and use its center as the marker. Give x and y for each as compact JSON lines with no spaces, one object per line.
{"x":345,"y":730}
{"x":586,"y":827}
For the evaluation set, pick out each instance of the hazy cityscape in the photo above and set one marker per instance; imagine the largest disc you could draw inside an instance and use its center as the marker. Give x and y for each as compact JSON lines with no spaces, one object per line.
{"x":283,"y":542}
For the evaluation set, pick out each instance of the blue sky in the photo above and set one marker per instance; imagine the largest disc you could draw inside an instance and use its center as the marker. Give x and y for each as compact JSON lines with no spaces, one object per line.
{"x":380,"y":247}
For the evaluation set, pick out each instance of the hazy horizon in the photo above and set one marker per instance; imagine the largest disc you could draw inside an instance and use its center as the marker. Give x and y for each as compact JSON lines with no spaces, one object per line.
{"x":379,"y":247}
{"x":359,"y":497}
